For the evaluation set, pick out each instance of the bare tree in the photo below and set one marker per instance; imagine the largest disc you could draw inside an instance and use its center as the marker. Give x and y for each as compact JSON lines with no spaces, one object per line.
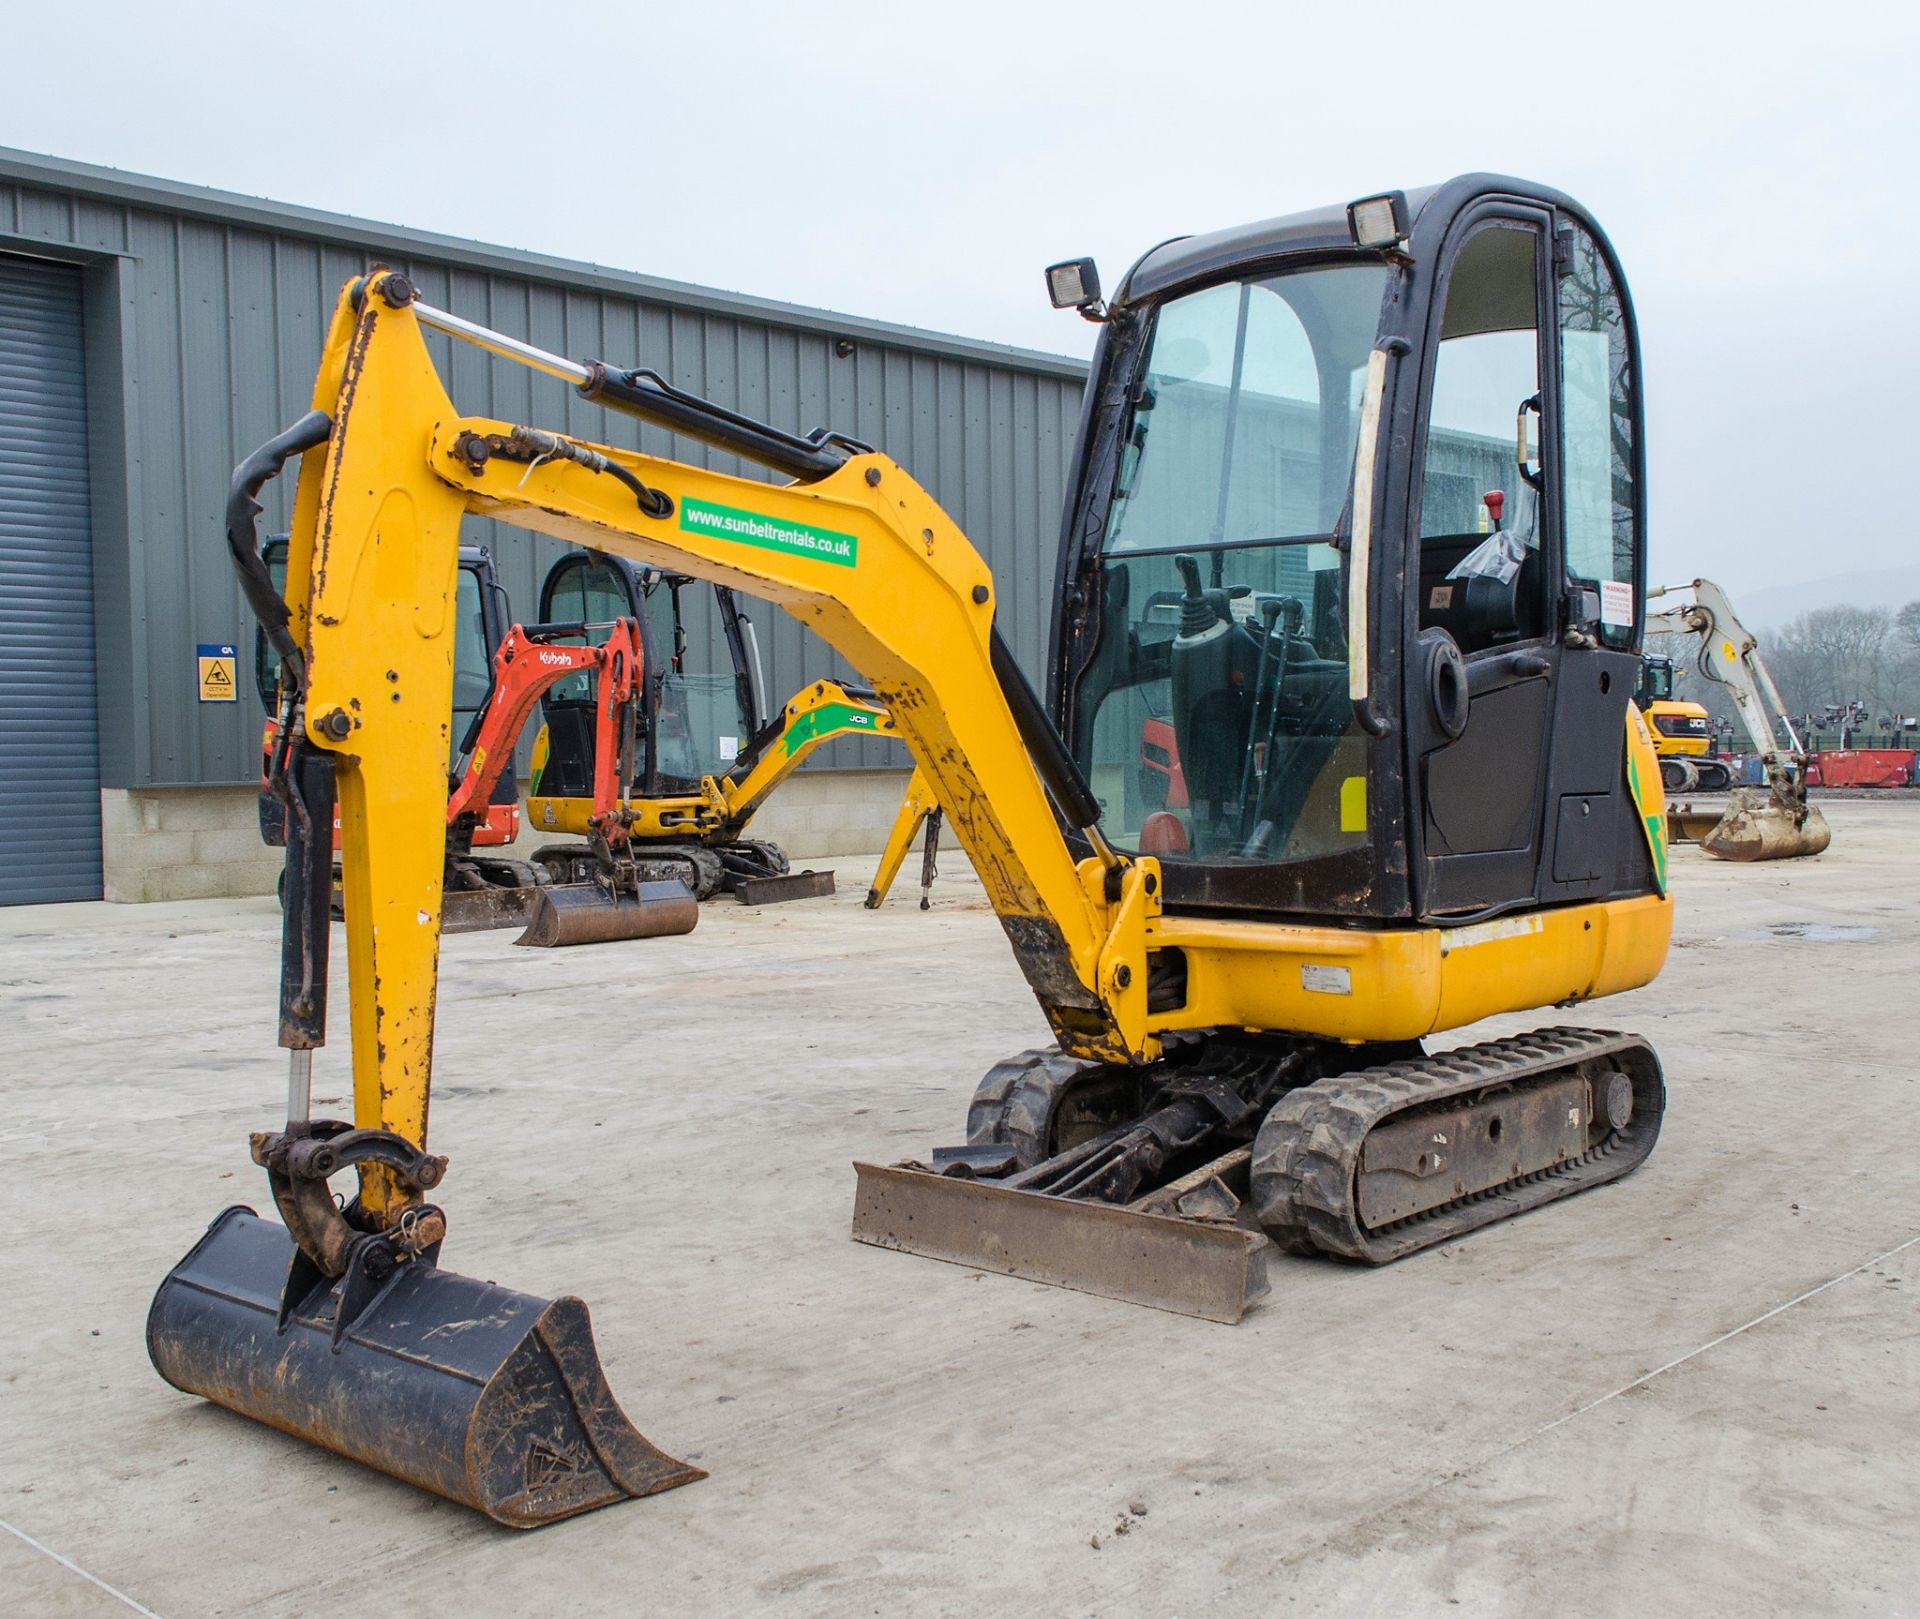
{"x":1831,"y":656}
{"x":1837,"y":655}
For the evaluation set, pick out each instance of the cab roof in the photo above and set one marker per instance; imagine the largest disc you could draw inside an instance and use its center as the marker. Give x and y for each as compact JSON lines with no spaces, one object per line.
{"x":1198,"y":258}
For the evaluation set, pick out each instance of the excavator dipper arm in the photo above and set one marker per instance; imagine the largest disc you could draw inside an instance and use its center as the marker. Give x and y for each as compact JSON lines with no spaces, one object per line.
{"x":526,"y":667}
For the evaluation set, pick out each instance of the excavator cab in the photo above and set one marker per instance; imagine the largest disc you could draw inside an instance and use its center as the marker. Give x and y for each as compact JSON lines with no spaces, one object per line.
{"x":1210,"y":637}
{"x":696,"y":722}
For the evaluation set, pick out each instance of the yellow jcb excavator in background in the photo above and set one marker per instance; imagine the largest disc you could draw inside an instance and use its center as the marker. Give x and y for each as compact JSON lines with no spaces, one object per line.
{"x":705,"y":756}
{"x":1682,"y":732}
{"x":1412,"y":793}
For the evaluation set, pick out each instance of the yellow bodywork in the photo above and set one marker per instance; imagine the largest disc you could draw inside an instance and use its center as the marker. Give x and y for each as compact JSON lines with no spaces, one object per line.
{"x":1665,"y":745}
{"x":916,"y":804}
{"x":867,"y":560}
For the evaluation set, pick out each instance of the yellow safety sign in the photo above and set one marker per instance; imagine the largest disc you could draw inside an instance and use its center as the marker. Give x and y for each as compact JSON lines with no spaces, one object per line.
{"x":217,"y":674}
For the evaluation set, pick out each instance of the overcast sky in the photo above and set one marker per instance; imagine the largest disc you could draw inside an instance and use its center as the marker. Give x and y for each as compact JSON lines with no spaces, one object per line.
{"x":1752,"y":162}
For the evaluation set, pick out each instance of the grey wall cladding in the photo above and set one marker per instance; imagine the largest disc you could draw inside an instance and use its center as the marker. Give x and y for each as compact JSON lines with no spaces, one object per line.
{"x":226,"y":302}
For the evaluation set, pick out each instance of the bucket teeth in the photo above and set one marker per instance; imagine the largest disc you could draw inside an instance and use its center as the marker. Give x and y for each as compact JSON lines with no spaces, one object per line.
{"x":489,"y":1397}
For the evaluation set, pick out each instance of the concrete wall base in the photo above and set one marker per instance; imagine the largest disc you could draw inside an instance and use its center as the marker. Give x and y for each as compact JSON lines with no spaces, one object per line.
{"x":183,"y":843}
{"x":169,"y":843}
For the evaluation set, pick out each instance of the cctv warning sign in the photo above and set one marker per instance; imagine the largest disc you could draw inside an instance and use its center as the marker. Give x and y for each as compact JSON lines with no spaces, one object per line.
{"x":217,"y":674}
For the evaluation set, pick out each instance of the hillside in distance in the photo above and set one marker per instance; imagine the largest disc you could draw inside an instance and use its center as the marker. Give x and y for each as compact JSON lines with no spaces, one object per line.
{"x":1776,"y":605}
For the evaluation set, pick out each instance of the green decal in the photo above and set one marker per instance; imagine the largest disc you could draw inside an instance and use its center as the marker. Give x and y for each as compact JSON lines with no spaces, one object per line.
{"x":829,"y":719}
{"x":1653,"y":819}
{"x":769,"y":533}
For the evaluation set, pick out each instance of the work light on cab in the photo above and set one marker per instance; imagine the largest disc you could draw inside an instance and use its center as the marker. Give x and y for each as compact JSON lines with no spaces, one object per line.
{"x":1075,"y":285}
{"x":1380,"y":223}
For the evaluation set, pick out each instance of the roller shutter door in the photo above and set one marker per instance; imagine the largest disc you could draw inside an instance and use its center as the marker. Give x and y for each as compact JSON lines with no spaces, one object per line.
{"x":49,"y":720}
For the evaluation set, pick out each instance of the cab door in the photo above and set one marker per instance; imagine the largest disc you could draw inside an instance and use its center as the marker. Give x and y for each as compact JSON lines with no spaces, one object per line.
{"x":1594,"y":841}
{"x":1482,"y":546}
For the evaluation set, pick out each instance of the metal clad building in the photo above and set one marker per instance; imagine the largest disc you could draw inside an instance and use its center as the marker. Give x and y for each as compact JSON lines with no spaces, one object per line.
{"x":199,"y":316}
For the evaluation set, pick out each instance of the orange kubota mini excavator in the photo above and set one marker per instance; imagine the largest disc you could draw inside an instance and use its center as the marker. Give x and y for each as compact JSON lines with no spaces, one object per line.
{"x":619,"y":898}
{"x":1416,"y":795}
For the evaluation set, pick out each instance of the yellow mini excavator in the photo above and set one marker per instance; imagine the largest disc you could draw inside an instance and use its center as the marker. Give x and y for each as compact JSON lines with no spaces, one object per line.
{"x":708,"y":755}
{"x":1325,"y":767}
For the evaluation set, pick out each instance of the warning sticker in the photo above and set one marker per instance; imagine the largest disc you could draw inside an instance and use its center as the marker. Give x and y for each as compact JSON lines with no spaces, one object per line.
{"x":1616,"y":601}
{"x":217,"y":683}
{"x":1511,"y":927}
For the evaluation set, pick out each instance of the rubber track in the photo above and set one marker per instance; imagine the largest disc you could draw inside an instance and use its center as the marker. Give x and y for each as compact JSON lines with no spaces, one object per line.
{"x":1014,"y":1102}
{"x":1307,"y":1155}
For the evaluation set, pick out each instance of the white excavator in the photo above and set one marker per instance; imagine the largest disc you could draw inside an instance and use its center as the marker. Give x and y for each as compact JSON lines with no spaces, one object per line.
{"x":1771,"y":823}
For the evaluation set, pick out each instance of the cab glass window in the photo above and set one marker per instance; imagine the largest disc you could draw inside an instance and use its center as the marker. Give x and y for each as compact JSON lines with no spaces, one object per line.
{"x":699,"y":728}
{"x":1480,"y":530}
{"x":591,"y":592}
{"x":1596,"y":386}
{"x":472,"y":657}
{"x":1242,"y":424}
{"x":1213,"y":718}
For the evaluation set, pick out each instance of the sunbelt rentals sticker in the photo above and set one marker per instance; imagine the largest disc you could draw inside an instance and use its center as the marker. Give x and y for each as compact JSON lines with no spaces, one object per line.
{"x":769,"y":533}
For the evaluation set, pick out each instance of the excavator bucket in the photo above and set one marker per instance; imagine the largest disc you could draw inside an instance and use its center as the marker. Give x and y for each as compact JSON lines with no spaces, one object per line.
{"x":491,"y":1398}
{"x":1760,"y":826}
{"x":586,"y":913}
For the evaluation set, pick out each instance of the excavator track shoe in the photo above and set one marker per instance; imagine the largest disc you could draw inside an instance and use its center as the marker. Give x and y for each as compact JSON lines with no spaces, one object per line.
{"x":491,"y":1398}
{"x":586,"y":913}
{"x":1380,"y":1163}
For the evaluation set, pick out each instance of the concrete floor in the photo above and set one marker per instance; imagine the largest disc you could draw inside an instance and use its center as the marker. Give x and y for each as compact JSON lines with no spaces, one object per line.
{"x":1693,"y":1392}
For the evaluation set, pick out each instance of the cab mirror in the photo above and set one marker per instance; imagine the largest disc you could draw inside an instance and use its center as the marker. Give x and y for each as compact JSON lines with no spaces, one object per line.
{"x":1074,"y":285}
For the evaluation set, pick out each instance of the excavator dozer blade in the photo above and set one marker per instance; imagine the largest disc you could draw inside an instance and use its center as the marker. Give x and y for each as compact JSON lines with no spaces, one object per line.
{"x":585,"y":913}
{"x":1757,"y":826}
{"x":1685,"y":824}
{"x":1211,"y":1269}
{"x":479,"y":910}
{"x":491,"y":1398}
